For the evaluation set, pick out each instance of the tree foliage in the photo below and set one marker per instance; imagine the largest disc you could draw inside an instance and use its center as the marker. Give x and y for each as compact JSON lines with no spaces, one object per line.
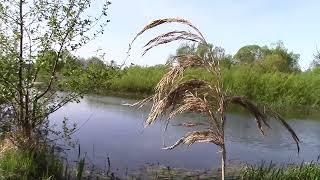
{"x":203,"y":51}
{"x":35,"y":37}
{"x":250,"y":54}
{"x":272,"y":59}
{"x":315,"y":64}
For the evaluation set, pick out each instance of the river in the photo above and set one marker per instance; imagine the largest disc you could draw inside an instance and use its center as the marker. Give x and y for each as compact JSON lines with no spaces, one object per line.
{"x":110,"y":128}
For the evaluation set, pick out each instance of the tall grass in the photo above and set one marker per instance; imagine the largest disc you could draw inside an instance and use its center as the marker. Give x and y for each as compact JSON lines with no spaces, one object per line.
{"x":40,"y":163}
{"x":19,"y":164}
{"x":274,"y":88}
{"x":277,"y":89}
{"x":138,"y":79}
{"x":273,"y":172}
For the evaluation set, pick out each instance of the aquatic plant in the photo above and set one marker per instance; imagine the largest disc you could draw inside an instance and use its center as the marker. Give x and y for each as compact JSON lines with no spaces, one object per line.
{"x":175,"y":94}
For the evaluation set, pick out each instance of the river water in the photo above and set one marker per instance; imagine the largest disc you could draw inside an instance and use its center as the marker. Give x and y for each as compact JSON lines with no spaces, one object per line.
{"x":110,"y":128}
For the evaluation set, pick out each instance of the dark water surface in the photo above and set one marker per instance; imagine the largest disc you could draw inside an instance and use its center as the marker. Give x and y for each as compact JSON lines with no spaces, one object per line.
{"x":116,"y":130}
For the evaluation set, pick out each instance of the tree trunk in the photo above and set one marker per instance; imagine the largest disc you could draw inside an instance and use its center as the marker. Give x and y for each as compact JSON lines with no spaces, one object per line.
{"x":20,"y":88}
{"x":223,"y":161}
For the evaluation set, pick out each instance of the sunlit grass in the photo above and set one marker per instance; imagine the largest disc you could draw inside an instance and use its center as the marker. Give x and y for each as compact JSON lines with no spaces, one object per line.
{"x":276,"y":89}
{"x":272,"y":172}
{"x":19,"y":164}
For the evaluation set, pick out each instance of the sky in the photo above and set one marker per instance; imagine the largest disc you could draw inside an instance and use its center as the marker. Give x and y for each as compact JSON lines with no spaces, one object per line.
{"x":229,"y":24}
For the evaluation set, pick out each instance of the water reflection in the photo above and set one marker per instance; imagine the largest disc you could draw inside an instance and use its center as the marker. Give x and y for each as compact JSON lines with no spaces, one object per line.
{"x":116,"y":130}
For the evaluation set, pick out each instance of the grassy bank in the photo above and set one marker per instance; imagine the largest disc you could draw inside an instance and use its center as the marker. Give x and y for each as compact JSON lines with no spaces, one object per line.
{"x":261,"y":172}
{"x":20,"y":164}
{"x":272,"y":172}
{"x":16,"y":163}
{"x":40,"y":163}
{"x":278,"y":89}
{"x":306,"y":171}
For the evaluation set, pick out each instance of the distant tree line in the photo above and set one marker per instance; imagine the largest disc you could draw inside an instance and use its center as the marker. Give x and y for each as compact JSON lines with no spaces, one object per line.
{"x":267,"y":59}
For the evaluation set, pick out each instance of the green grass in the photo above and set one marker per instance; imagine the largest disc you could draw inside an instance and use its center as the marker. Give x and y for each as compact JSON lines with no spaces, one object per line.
{"x":138,"y":79}
{"x":18,"y":164}
{"x":310,"y":171}
{"x":276,"y":89}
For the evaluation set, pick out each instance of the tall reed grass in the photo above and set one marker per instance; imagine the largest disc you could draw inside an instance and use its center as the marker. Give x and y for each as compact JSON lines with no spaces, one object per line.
{"x":274,"y":88}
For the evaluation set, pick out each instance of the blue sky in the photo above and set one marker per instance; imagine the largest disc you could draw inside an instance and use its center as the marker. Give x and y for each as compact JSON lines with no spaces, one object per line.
{"x":229,"y":24}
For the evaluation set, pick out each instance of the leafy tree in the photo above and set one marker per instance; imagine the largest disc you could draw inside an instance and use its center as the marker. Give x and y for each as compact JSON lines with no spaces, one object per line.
{"x":40,"y":30}
{"x":270,"y":59}
{"x":286,"y":61}
{"x":276,"y":63}
{"x":95,"y":61}
{"x":316,"y":61}
{"x":203,"y":51}
{"x":186,"y":49}
{"x":250,"y":54}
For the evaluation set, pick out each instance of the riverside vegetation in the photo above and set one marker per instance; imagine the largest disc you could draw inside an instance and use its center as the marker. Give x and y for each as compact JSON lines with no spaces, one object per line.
{"x":35,"y":66}
{"x":29,"y":31}
{"x":273,"y":78}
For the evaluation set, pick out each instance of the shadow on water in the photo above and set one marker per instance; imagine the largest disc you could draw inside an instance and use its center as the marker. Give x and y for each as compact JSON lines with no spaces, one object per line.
{"x":115,"y":133}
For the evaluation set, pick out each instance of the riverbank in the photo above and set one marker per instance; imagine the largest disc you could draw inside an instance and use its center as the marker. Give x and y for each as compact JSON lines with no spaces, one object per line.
{"x":285,"y":111}
{"x":298,"y":90}
{"x":16,"y":164}
{"x":263,"y":171}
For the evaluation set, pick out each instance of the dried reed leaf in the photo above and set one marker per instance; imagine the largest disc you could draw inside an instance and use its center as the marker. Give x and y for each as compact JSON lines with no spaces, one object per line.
{"x":165,"y":41}
{"x":179,"y":91}
{"x":191,"y":103}
{"x":173,"y":34}
{"x":142,"y":102}
{"x":263,"y":116}
{"x":190,"y":86}
{"x":161,"y":104}
{"x":200,"y":137}
{"x":253,"y":109}
{"x":157,"y":109}
{"x":158,"y":22}
{"x":166,"y":82}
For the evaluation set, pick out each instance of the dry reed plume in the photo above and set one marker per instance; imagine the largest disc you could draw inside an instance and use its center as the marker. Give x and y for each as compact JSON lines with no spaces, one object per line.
{"x":175,"y":95}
